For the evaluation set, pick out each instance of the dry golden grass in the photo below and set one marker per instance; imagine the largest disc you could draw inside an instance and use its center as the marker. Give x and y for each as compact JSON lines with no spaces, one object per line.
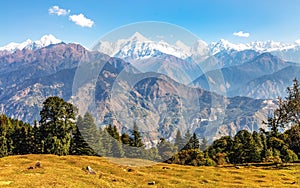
{"x":66,"y":171}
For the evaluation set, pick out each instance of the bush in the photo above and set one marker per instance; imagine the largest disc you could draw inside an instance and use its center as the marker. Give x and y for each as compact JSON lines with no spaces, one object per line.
{"x":209,"y":162}
{"x":192,"y":157}
{"x":289,"y":156}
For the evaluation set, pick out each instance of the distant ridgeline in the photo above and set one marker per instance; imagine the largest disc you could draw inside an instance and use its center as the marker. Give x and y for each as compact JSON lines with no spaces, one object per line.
{"x":61,"y":133}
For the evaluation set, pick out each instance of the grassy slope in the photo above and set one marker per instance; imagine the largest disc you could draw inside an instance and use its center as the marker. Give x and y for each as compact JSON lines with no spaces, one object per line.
{"x":67,"y":171}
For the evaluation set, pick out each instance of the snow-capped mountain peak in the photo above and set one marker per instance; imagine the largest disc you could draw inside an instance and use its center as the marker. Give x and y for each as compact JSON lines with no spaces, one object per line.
{"x":225,"y":45}
{"x":139,"y":47}
{"x":44,"y":41}
{"x":297,"y":42}
{"x":269,"y":46}
{"x":138,"y":37}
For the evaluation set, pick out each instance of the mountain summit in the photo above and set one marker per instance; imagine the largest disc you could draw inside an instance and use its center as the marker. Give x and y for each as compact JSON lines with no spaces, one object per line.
{"x":44,"y":41}
{"x":138,"y":46}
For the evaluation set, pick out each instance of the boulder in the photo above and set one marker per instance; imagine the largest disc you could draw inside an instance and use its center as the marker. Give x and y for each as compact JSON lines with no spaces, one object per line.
{"x":151,"y":183}
{"x":90,"y":170}
{"x":38,"y":164}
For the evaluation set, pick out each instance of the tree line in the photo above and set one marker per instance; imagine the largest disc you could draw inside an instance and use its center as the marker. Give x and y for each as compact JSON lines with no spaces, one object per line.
{"x":60,"y":132}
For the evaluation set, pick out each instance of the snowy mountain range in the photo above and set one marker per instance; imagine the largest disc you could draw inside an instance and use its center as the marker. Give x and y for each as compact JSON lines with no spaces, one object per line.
{"x":45,"y":40}
{"x":259,"y":46}
{"x":31,"y":75}
{"x":139,"y":47}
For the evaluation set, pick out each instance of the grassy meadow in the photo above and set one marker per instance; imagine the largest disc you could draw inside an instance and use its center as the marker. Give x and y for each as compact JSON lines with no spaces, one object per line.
{"x":67,"y":171}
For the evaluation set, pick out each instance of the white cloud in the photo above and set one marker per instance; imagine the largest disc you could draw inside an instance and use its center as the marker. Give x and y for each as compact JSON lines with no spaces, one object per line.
{"x":81,"y":20}
{"x":58,"y":11}
{"x":297,"y":41}
{"x":241,"y":34}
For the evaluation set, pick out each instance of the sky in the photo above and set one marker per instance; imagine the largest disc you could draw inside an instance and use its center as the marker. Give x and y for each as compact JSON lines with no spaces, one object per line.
{"x":85,"y":21}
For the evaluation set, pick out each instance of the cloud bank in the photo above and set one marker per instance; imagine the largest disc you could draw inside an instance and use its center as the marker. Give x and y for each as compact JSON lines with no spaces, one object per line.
{"x":241,"y":34}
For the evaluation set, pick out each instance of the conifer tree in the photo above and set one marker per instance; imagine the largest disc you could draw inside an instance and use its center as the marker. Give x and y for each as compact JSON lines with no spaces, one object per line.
{"x":193,"y":143}
{"x":137,"y":139}
{"x":107,"y":143}
{"x":90,"y":132}
{"x":179,"y":141}
{"x":204,"y":144}
{"x":126,"y":139}
{"x":79,"y":146}
{"x":56,"y":125}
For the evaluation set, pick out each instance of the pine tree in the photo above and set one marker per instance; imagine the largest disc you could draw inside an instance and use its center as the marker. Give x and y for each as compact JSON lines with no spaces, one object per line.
{"x":204,"y":144}
{"x":137,"y":139}
{"x":90,"y":132}
{"x":256,"y":155}
{"x":56,"y":125}
{"x":117,"y":149}
{"x":22,"y":138}
{"x":106,"y":139}
{"x":136,"y":149}
{"x":187,"y":138}
{"x":79,"y":146}
{"x":264,"y":153}
{"x":243,"y":147}
{"x":193,"y":143}
{"x":3,"y":133}
{"x":179,"y":141}
{"x":37,"y":139}
{"x":126,"y":139}
{"x":6,"y":131}
{"x":116,"y":143}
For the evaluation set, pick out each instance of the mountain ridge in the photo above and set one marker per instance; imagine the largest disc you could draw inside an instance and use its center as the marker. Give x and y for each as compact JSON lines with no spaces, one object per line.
{"x":44,"y":41}
{"x":138,"y":46}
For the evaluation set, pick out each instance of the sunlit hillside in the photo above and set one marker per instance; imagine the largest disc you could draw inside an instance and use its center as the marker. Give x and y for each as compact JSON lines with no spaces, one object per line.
{"x":68,"y":171}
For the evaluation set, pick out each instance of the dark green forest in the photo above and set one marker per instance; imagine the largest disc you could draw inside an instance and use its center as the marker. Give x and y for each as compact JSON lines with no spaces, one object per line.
{"x":61,"y":132}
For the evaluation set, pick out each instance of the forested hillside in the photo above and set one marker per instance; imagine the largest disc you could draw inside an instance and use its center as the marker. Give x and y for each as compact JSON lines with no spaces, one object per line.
{"x":60,"y":132}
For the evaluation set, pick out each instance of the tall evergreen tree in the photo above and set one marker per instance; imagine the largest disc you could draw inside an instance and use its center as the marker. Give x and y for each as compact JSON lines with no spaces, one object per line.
{"x":126,"y":139}
{"x":56,"y":125}
{"x":204,"y":144}
{"x":179,"y":141}
{"x":90,"y":132}
{"x":3,"y":133}
{"x":256,"y":155}
{"x":116,"y":148}
{"x":137,"y":148}
{"x":115,"y":139}
{"x":137,"y":138}
{"x":243,"y":147}
{"x":78,"y":144}
{"x":107,"y":143}
{"x":193,"y":143}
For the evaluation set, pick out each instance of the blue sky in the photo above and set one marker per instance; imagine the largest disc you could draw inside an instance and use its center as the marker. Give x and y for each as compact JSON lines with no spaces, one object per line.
{"x":210,"y":20}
